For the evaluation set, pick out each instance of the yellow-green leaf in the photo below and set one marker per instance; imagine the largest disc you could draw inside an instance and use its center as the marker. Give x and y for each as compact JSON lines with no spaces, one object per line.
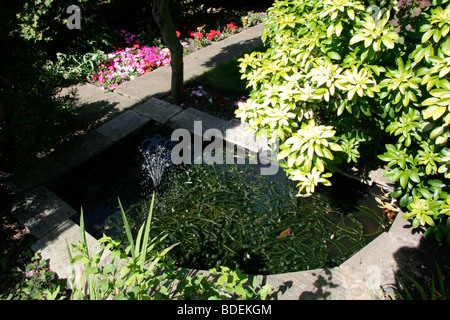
{"x":388,"y":42}
{"x":434,"y":111}
{"x":356,"y":38}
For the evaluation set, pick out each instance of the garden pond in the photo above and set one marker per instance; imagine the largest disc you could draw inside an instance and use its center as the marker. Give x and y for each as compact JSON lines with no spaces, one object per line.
{"x":223,"y":214}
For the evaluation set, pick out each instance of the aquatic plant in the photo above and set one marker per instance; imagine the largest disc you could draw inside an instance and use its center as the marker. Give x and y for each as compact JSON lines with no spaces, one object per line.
{"x":229,"y":215}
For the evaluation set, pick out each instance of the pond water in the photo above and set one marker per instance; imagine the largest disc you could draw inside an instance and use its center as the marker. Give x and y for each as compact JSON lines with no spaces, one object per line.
{"x":224,"y":214}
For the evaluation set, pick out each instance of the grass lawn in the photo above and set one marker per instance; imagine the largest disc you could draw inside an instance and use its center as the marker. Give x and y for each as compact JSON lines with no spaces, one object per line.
{"x":225,"y":76}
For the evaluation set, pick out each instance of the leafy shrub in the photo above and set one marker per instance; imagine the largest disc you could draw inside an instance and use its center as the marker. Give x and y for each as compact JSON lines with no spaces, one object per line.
{"x":32,"y":118}
{"x":342,"y":79}
{"x":37,"y":282}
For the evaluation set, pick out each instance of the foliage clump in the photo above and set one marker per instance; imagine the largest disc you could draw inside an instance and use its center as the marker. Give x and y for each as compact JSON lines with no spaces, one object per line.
{"x":345,"y":81}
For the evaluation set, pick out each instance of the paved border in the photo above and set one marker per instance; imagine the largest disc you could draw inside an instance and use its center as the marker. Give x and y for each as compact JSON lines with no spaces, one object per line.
{"x":47,"y":217}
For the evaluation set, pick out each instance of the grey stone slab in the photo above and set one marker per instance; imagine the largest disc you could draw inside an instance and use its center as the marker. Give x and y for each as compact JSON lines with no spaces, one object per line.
{"x":80,"y":92}
{"x":158,"y":110}
{"x":151,"y":84}
{"x":319,"y":284}
{"x":122,"y":125}
{"x":83,"y":148}
{"x":372,"y":267}
{"x":53,"y":246}
{"x":378,"y":178}
{"x":102,"y":107}
{"x":193,"y":66}
{"x":402,"y":230}
{"x":186,"y":119}
{"x":238,"y":132}
{"x":41,"y":210}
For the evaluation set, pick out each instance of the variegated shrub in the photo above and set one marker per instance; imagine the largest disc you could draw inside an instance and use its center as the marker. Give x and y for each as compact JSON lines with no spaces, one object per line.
{"x":343,"y":80}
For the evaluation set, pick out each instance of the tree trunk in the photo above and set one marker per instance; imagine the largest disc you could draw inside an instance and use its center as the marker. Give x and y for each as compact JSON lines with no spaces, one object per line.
{"x":164,"y":20}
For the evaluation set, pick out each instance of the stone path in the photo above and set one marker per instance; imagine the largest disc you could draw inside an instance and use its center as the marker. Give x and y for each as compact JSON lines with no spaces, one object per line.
{"x":132,"y":106}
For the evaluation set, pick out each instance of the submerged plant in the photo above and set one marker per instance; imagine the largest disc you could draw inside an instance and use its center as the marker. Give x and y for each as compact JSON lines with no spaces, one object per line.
{"x":228,"y":215}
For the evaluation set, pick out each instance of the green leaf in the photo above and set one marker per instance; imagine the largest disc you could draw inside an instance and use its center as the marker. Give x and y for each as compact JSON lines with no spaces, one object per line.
{"x":283,"y":154}
{"x":404,"y":177}
{"x":147,"y":232}
{"x":357,"y":38}
{"x":442,"y":139}
{"x":388,"y":42}
{"x":434,"y":111}
{"x":334,"y":55}
{"x":127,"y":230}
{"x":83,"y":233}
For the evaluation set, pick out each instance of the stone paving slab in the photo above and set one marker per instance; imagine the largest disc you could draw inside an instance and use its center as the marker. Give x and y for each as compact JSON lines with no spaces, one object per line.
{"x":53,"y":246}
{"x":122,"y":125}
{"x":81,"y":92}
{"x":401,"y":231}
{"x":148,"y":85}
{"x":318,"y":284}
{"x":102,"y":107}
{"x":41,"y":210}
{"x":374,"y":259}
{"x":237,"y":132}
{"x":187,"y":117}
{"x":158,"y":110}
{"x":83,"y":148}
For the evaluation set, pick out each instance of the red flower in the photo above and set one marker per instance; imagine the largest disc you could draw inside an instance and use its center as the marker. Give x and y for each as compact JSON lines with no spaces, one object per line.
{"x":231,"y":26}
{"x":212,"y":34}
{"x":198,"y":35}
{"x":190,"y":33}
{"x":178,"y":34}
{"x":136,"y":46}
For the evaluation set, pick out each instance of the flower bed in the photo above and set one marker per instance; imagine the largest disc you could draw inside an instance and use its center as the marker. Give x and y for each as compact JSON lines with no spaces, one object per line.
{"x":136,"y":59}
{"x":126,"y":64}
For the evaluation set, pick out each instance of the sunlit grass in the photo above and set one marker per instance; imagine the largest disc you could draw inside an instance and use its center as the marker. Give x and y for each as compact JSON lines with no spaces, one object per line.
{"x":225,"y":76}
